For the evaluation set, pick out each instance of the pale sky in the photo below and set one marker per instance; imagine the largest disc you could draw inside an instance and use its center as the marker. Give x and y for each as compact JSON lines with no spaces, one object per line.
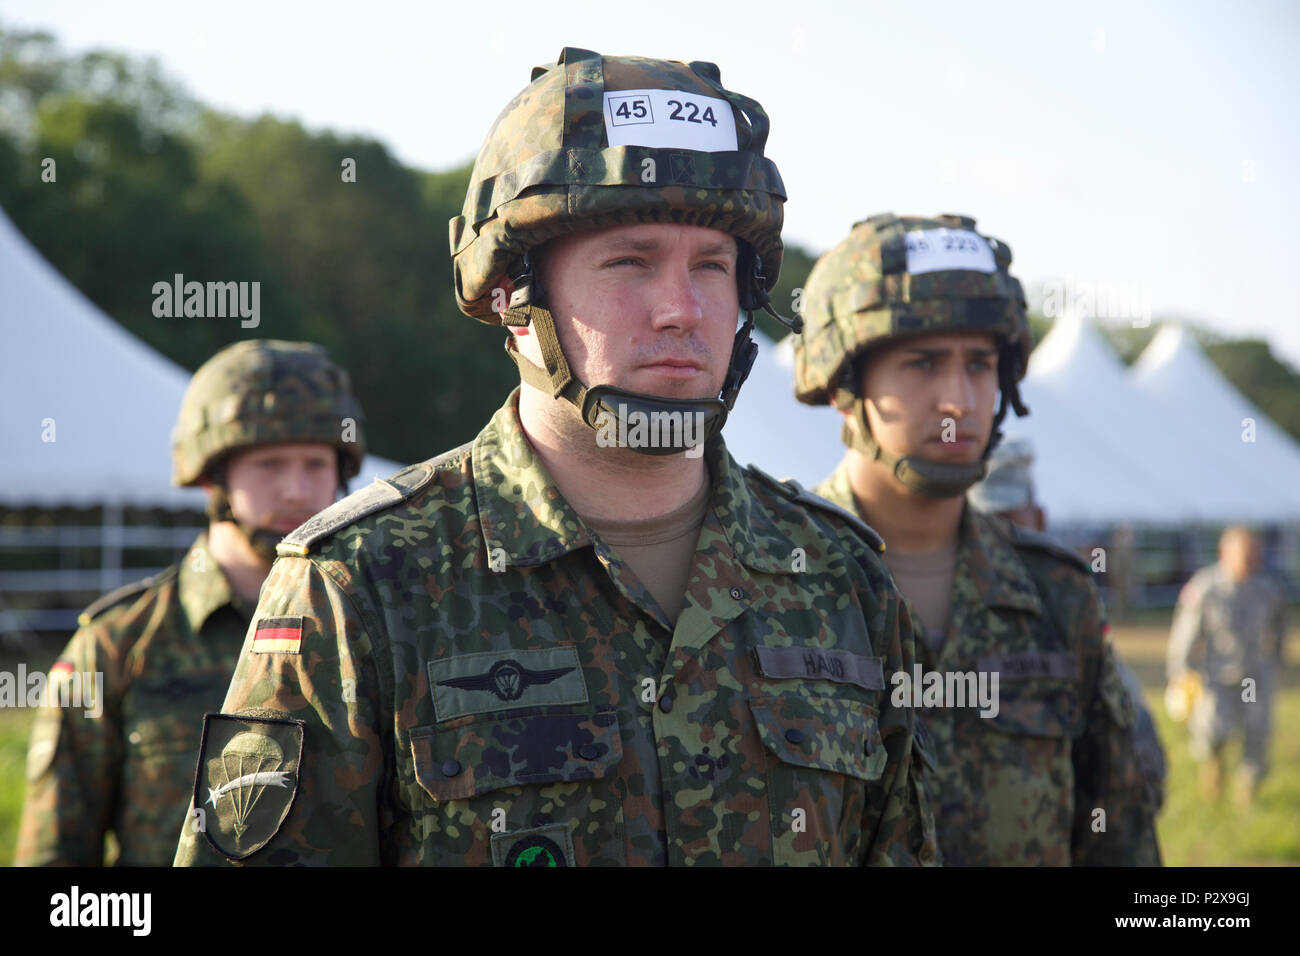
{"x":1143,"y":151}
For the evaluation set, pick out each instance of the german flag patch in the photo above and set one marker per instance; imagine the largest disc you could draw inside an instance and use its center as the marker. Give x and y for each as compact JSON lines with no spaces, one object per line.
{"x":278,"y":635}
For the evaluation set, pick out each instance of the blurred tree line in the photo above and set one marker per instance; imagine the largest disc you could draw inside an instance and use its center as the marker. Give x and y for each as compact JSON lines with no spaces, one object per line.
{"x":150,"y":183}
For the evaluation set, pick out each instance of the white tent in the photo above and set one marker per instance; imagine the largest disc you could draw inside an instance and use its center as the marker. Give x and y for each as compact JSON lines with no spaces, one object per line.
{"x":1106,"y":451}
{"x":1176,"y":373}
{"x":88,"y":408}
{"x":1086,"y":469}
{"x":1082,"y":474}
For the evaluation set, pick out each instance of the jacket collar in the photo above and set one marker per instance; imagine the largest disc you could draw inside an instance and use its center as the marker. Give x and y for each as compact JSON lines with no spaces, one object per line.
{"x":527,"y":522}
{"x":837,"y":488}
{"x":984,"y":549}
{"x":203,"y":585}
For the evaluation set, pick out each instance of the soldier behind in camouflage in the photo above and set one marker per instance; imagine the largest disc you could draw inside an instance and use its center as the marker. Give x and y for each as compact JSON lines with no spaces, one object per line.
{"x":587,"y":637}
{"x":1235,"y":615}
{"x":914,"y":327}
{"x":1008,"y":492}
{"x":1007,"y":488}
{"x":265,"y":428}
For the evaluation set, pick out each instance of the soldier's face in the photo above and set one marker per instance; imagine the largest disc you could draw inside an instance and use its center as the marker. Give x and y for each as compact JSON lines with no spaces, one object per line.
{"x":933,"y":396}
{"x":278,"y":487}
{"x":1241,"y":554}
{"x":650,"y":308}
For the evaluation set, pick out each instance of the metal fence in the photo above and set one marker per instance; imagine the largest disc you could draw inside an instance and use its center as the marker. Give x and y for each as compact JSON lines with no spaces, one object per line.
{"x":53,"y":565}
{"x":50,"y":571}
{"x":1141,"y":567}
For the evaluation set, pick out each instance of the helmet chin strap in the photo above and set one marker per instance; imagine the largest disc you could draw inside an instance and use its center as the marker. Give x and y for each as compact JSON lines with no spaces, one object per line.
{"x":675,"y":424}
{"x":933,"y":479}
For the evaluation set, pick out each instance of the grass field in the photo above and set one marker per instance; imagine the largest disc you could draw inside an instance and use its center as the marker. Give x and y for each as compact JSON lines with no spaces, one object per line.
{"x":13,"y":755}
{"x":1193,"y":831}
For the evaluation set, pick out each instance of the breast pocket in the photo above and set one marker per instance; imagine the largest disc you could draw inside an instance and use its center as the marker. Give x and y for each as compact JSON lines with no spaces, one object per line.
{"x":1027,"y":773}
{"x":157,"y":786}
{"x":160,"y":755}
{"x":823,"y":753}
{"x":523,"y":790}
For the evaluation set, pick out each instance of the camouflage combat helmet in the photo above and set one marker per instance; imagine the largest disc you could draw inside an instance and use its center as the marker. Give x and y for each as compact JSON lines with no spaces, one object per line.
{"x":263,"y":392}
{"x":598,"y":141}
{"x":899,"y":276}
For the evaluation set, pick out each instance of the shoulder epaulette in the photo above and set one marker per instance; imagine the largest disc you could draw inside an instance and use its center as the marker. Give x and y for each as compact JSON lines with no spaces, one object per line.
{"x":379,"y":494}
{"x":1023,"y":537}
{"x":117,"y":596}
{"x":801,"y":495}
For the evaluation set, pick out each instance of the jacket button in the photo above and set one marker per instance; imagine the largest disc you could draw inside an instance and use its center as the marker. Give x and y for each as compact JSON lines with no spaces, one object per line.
{"x":666,"y":704}
{"x":588,"y":751}
{"x":737,"y":594}
{"x":794,"y":735}
{"x":867,"y":748}
{"x":450,"y":768}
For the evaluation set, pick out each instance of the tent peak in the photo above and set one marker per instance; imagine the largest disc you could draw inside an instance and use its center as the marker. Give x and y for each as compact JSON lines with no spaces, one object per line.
{"x":1075,"y":347}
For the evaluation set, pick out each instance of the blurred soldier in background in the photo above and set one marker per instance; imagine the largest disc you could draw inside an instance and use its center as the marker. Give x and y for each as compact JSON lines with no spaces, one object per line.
{"x":1008,"y":492}
{"x":914,"y":327}
{"x":569,"y":642}
{"x":271,"y":431}
{"x":1237,"y":613}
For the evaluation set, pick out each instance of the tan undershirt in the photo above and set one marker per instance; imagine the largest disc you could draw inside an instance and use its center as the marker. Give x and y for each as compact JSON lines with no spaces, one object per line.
{"x":660,"y":551}
{"x":926,"y":581}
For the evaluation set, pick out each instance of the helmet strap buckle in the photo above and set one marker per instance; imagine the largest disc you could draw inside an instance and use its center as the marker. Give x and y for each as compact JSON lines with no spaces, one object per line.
{"x":526,"y":292}
{"x":744,"y":352}
{"x":753,"y":288}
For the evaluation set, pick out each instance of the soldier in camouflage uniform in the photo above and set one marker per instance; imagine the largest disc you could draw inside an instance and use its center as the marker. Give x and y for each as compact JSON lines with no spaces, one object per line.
{"x":1008,"y":492}
{"x":913,"y":328}
{"x":264,"y":429}
{"x":544,"y":648}
{"x":1007,"y":489}
{"x":1236,"y":616}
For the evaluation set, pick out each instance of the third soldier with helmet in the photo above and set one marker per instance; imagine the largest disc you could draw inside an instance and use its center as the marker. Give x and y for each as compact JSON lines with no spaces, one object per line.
{"x":917,"y":332}
{"x":271,"y":431}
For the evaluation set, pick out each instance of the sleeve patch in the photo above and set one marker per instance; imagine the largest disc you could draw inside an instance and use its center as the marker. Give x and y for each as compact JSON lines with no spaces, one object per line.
{"x":278,"y":635}
{"x":248,"y":768}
